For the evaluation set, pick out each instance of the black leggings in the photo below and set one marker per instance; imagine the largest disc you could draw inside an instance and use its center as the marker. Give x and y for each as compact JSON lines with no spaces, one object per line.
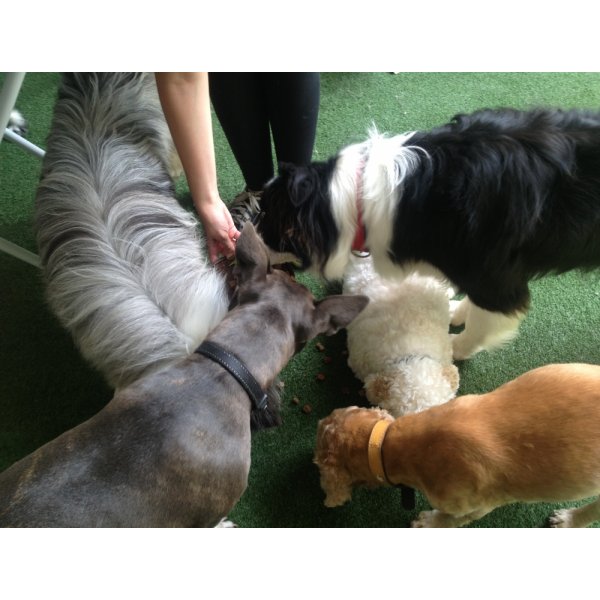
{"x":250,"y":106}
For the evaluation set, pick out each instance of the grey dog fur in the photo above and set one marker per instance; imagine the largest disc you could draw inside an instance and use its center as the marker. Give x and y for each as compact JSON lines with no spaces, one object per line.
{"x":173,"y":448}
{"x":124,"y":266}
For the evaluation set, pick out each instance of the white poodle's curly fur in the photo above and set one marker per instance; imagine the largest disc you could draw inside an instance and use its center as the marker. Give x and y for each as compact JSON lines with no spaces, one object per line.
{"x":399,"y":346}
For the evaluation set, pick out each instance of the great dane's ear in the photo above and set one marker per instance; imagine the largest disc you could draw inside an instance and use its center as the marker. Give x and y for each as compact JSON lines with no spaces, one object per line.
{"x":334,"y":312}
{"x":251,"y":255}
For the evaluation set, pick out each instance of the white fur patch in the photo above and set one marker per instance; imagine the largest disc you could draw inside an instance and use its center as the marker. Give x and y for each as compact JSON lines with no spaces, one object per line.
{"x":17,"y":122}
{"x":378,"y":166}
{"x":562,"y":518}
{"x":483,"y":330}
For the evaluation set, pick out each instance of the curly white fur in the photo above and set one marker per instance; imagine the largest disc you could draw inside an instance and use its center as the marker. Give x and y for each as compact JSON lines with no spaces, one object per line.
{"x":399,"y":346}
{"x":390,"y":161}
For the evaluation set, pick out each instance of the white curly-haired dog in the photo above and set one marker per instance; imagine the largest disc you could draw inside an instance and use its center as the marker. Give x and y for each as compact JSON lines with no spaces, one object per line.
{"x":399,"y":346}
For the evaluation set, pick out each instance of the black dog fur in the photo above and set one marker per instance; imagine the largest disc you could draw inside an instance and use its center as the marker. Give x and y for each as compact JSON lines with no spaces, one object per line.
{"x":498,"y":197}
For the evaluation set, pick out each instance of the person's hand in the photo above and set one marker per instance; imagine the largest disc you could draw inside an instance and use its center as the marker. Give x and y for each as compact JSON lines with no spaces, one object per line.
{"x":221,"y":233}
{"x":186,"y":104}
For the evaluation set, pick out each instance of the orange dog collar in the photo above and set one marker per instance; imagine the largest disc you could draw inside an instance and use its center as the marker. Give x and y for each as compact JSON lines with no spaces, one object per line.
{"x":375,"y":445}
{"x":376,"y":463}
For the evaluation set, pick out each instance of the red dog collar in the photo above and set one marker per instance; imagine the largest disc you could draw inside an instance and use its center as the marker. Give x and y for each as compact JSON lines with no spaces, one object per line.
{"x":360,"y":237}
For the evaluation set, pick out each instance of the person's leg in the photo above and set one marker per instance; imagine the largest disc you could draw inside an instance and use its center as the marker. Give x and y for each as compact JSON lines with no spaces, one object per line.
{"x":241,"y":107}
{"x":293,"y":103}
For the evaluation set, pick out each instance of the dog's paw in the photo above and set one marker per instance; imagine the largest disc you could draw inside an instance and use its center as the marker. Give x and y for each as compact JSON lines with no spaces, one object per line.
{"x":225,"y":524}
{"x":17,"y":123}
{"x":462,"y":347}
{"x":438,"y":518}
{"x":561,"y":518}
{"x":426,"y":518}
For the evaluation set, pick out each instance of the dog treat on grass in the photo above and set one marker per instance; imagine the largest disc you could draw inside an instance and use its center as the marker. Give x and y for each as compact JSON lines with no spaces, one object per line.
{"x":321,"y":376}
{"x":307,"y":409}
{"x":295,"y":400}
{"x":319,"y":347}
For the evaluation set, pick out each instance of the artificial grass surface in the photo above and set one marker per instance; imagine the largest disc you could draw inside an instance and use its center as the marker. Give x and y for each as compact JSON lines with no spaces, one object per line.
{"x":46,"y":387}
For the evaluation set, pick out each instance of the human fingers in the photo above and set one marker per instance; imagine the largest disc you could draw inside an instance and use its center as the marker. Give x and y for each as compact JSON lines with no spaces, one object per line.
{"x":213,"y":252}
{"x":220,"y":247}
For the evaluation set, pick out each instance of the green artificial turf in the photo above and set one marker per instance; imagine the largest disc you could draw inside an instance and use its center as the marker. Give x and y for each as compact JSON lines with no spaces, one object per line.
{"x":46,"y":387}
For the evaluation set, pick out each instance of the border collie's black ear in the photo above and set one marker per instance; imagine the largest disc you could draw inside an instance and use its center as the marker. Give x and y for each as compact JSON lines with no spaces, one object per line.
{"x":286,"y":168}
{"x":302,"y":184}
{"x":252,"y":257}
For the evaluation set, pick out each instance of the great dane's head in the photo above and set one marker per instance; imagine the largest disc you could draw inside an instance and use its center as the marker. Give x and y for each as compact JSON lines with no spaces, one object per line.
{"x":288,"y":304}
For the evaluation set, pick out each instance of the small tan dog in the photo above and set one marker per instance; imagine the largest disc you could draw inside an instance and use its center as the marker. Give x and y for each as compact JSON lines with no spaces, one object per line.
{"x":536,"y":438}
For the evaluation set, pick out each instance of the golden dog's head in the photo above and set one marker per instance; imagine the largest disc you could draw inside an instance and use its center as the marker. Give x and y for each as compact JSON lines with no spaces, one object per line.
{"x":341,"y":452}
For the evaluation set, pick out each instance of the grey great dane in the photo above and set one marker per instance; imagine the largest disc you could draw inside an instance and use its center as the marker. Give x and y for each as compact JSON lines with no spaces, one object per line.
{"x":173,"y":448}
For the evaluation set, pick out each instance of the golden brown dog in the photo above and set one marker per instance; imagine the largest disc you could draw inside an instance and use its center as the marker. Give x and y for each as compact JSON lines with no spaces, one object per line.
{"x":536,"y":438}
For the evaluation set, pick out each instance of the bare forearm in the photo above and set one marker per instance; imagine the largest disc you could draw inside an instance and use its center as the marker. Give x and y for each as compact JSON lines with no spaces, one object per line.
{"x":186,"y":104}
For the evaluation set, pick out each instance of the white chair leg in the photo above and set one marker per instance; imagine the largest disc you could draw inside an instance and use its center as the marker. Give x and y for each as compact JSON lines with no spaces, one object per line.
{"x":20,"y":253}
{"x":25,"y":144}
{"x":8,"y":98}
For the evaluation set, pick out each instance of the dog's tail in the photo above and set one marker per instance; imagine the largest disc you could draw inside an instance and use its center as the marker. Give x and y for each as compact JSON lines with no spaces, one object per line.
{"x":125,"y":269}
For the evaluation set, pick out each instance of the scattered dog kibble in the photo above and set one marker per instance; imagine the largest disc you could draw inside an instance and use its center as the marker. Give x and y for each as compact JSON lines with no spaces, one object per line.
{"x":321,"y":376}
{"x":319,"y":347}
{"x":327,"y":360}
{"x":295,"y":400}
{"x":307,"y":409}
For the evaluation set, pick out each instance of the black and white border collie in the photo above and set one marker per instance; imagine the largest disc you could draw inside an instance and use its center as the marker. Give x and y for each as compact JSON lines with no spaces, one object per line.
{"x":488,"y":201}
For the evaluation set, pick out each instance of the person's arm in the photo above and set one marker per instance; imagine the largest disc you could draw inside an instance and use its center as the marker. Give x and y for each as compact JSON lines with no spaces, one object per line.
{"x":186,"y":104}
